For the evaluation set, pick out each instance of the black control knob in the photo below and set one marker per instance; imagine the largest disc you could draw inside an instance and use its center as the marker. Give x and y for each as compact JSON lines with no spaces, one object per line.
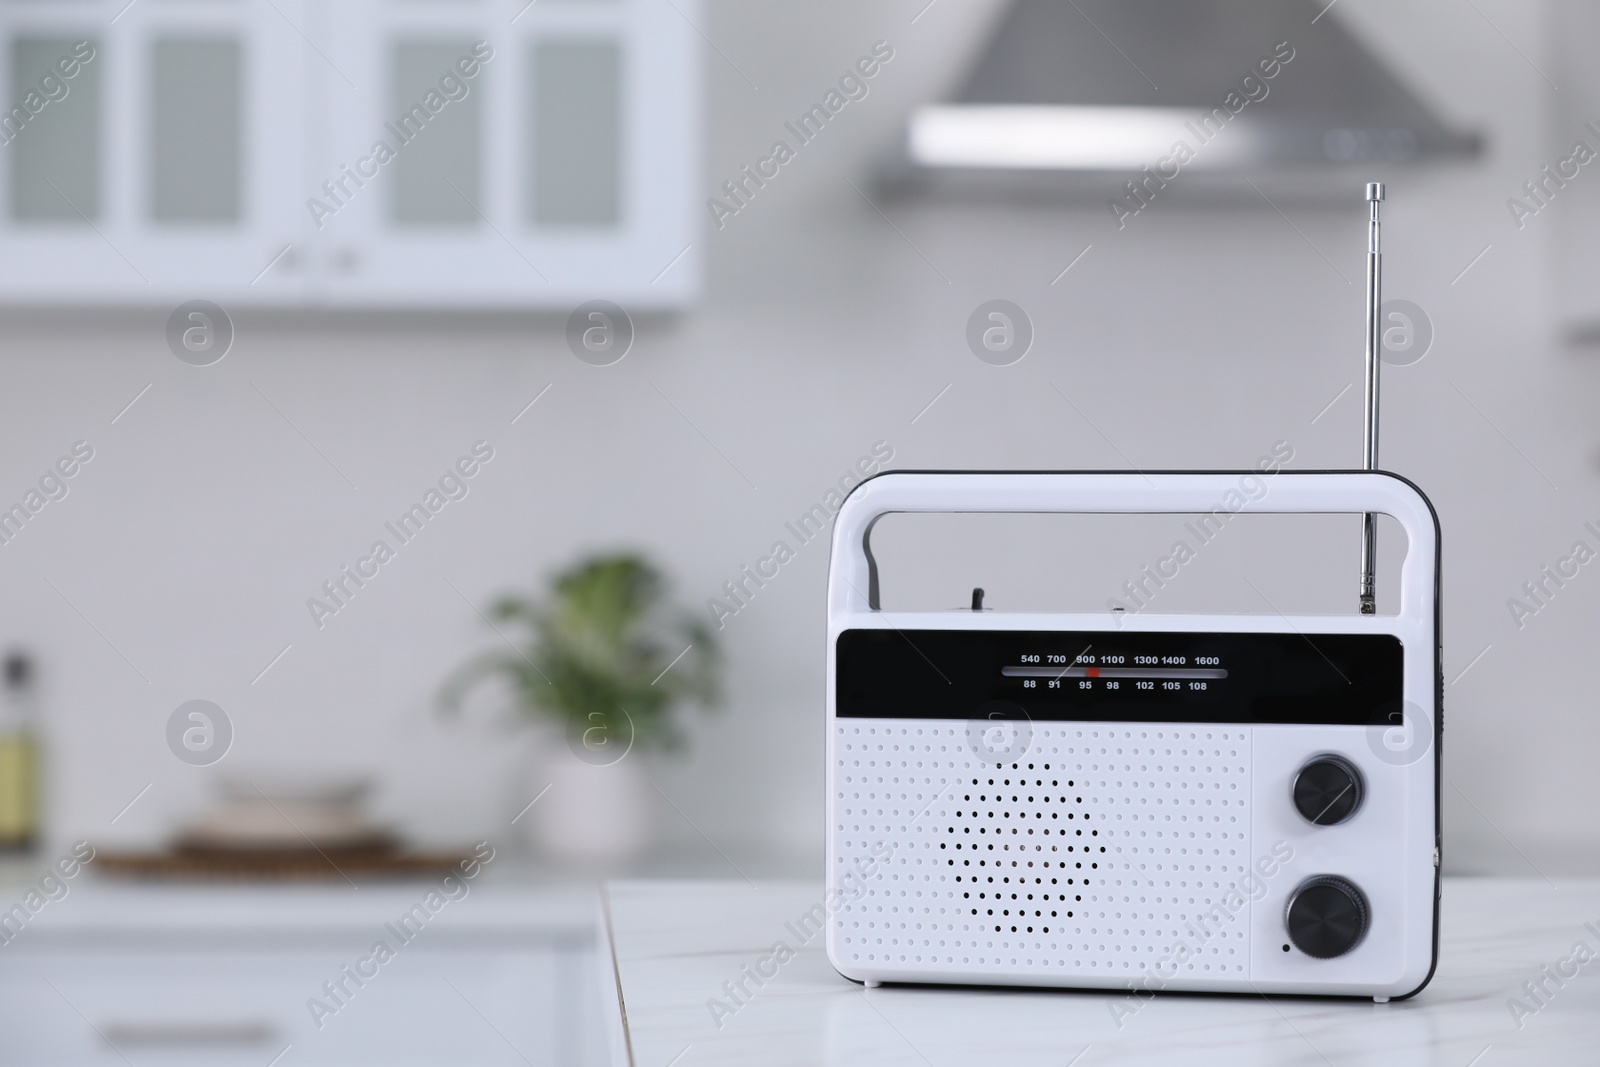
{"x":1327,"y":790}
{"x":1327,"y":916}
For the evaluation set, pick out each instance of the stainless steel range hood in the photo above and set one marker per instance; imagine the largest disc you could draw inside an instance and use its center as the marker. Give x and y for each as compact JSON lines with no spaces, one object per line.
{"x":1070,"y":87}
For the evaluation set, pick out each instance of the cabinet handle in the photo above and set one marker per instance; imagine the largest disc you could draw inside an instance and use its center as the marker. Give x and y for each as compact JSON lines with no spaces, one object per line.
{"x":188,"y":1033}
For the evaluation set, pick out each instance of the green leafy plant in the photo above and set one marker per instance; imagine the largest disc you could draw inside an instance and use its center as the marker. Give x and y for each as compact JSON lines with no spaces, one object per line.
{"x":604,"y":652}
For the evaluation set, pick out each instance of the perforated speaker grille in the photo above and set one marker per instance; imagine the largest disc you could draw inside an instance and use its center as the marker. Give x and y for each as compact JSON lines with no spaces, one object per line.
{"x":1092,"y":854}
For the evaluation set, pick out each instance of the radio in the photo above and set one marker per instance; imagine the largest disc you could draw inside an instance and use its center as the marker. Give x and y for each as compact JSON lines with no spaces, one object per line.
{"x":1138,"y":801}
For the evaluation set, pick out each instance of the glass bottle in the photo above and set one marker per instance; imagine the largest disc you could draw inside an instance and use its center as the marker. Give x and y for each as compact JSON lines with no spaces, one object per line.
{"x":19,"y":755}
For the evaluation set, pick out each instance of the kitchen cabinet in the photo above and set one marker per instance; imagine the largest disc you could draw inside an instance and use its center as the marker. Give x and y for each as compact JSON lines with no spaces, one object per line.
{"x":361,"y":153}
{"x":112,"y":974}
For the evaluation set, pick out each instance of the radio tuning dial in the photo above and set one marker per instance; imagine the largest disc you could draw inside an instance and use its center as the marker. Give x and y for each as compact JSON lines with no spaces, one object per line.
{"x":1327,"y":916}
{"x":1327,"y":791}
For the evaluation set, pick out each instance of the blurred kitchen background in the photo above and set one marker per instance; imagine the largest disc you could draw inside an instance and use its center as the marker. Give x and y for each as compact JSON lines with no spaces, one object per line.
{"x":584,"y":270}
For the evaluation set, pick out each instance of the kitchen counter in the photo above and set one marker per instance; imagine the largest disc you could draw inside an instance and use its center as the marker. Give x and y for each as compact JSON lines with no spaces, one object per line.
{"x":499,"y":970}
{"x":673,"y":945}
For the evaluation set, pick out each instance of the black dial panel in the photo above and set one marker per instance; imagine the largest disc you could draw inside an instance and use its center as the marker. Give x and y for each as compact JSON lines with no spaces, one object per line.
{"x":1052,"y":675}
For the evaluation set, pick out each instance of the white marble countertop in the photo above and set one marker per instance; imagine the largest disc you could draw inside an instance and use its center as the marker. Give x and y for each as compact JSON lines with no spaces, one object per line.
{"x":675,"y":944}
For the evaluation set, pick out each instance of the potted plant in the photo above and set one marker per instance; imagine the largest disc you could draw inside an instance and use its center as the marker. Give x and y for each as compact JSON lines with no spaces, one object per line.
{"x":607,"y":662}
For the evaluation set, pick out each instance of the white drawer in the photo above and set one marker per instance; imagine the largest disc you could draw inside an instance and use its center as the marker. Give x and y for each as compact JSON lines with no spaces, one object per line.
{"x":478,"y":996}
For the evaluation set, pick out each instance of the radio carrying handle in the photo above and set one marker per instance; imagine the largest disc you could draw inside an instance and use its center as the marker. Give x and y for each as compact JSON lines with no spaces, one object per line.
{"x":853,"y":573}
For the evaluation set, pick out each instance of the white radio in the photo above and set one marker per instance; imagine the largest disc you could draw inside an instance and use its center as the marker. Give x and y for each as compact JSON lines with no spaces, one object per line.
{"x":1186,"y":802}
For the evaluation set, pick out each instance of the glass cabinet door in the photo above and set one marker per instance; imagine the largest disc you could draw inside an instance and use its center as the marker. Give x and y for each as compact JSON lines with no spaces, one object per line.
{"x":148,"y":151}
{"x":511,"y":154}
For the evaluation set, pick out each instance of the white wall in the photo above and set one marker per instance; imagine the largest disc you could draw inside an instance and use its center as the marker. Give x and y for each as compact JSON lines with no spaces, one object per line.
{"x":1196,"y":337}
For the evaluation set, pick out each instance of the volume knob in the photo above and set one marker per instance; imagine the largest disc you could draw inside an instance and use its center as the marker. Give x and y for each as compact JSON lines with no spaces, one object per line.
{"x":1327,"y":790}
{"x":1327,"y":916}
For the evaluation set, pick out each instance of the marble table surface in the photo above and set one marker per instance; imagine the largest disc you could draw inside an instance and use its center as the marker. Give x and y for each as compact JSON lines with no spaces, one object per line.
{"x":674,"y":944}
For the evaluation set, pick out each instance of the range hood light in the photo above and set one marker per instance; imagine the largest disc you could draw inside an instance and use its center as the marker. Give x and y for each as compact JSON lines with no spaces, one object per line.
{"x":1065,"y":137}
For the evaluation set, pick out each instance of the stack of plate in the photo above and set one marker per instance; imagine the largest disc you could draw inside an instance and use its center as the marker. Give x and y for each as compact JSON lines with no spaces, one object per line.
{"x":283,"y":813}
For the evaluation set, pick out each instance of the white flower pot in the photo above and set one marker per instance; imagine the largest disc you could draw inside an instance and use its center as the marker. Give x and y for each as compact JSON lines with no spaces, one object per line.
{"x":592,"y":815}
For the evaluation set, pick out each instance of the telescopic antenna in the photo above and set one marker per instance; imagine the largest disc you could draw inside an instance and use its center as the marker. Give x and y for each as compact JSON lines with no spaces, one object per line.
{"x":1369,"y":522}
